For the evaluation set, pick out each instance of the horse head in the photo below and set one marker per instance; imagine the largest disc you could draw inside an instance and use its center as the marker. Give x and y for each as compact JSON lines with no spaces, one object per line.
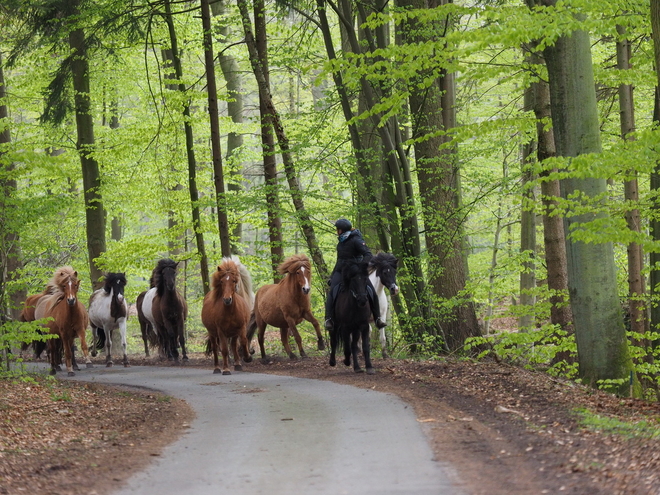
{"x":299,"y":268}
{"x":354,"y":279}
{"x":164,"y":276}
{"x":385,"y":266}
{"x":70,"y":290}
{"x":114,"y":284}
{"x":226,"y":281}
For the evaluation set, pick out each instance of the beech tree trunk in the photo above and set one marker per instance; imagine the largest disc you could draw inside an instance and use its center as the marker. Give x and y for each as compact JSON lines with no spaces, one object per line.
{"x":94,"y":212}
{"x":601,"y":339}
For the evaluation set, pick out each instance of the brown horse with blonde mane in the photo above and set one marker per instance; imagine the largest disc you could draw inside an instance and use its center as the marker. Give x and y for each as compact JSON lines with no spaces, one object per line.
{"x":285,"y":304}
{"x":30,"y":304}
{"x":68,"y":319}
{"x":225,"y":314}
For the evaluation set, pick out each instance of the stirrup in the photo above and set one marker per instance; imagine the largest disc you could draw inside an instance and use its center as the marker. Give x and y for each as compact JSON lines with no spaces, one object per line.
{"x":329,"y":325}
{"x":380,"y":323}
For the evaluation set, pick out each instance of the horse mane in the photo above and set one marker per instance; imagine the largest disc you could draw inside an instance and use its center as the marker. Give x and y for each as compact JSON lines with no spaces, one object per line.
{"x":245,"y":287}
{"x":60,"y":276}
{"x":226,"y":267}
{"x":382,"y":260}
{"x":156,"y":274}
{"x":351,"y":270}
{"x":111,"y":279}
{"x":291,"y":264}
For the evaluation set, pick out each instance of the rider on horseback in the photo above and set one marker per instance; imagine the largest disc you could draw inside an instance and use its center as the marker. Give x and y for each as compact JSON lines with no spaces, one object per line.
{"x":351,"y":247}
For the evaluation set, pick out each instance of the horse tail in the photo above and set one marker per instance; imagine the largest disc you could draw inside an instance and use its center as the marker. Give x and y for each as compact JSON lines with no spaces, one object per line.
{"x":251,"y":327}
{"x":100,"y":342}
{"x":208,"y":349}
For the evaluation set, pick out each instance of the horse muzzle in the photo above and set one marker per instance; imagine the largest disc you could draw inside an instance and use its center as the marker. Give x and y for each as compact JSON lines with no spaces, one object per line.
{"x":305,"y":290}
{"x":394,"y":289}
{"x":71,"y":301}
{"x":227,"y":300}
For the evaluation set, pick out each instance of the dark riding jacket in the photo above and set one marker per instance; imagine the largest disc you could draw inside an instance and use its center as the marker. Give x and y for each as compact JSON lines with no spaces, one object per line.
{"x":352,"y":249}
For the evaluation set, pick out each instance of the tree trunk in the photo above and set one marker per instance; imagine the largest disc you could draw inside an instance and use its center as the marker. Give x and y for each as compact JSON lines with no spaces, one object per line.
{"x":439,"y":186}
{"x":554,"y":240}
{"x":10,"y":251}
{"x":636,"y":283}
{"x":528,"y":229}
{"x":654,"y":257}
{"x":296,"y":193}
{"x":94,"y":212}
{"x":218,"y":174}
{"x":232,"y":75}
{"x":190,"y":150}
{"x":600,"y":334}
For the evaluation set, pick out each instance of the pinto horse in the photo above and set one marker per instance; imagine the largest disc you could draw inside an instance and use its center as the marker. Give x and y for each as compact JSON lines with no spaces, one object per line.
{"x":352,"y":314}
{"x":68,"y":320}
{"x":108,"y":311}
{"x":382,"y":273}
{"x":225,"y":314}
{"x":166,"y":311}
{"x":285,"y":305}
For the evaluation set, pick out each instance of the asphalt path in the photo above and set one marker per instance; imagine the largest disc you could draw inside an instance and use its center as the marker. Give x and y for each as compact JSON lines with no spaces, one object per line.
{"x":267,"y":434}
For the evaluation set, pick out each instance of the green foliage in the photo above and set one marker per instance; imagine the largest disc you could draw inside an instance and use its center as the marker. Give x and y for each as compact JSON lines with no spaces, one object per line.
{"x":534,"y":349}
{"x":614,"y":426}
{"x":13,"y":334}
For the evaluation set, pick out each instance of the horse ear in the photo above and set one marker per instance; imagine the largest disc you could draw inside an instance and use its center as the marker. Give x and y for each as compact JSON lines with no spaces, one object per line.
{"x":75,"y":274}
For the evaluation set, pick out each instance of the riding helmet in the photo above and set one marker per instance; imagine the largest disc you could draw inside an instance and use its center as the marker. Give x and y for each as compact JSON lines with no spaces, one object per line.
{"x":343,"y":225}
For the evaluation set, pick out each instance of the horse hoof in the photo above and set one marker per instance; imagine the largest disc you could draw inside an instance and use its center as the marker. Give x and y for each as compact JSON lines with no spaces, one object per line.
{"x":266,"y":361}
{"x":321,"y":345}
{"x":52,"y":372}
{"x":385,"y":355}
{"x":371,"y":371}
{"x":217,"y":371}
{"x":347,"y":361}
{"x":94,"y":353}
{"x":126,"y":365}
{"x":226,"y":372}
{"x":185,"y":358}
{"x":358,"y":370}
{"x":89,"y":365}
{"x":333,"y":362}
{"x":292,"y":357}
{"x":238,"y":367}
{"x":248,"y":359}
{"x":71,"y":373}
{"x":108,"y":365}
{"x":76,"y":368}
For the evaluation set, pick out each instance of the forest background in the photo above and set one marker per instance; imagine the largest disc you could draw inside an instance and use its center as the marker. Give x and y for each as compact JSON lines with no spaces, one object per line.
{"x":504,"y":151}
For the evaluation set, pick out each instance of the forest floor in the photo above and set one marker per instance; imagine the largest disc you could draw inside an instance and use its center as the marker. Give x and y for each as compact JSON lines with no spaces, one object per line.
{"x":504,"y":429}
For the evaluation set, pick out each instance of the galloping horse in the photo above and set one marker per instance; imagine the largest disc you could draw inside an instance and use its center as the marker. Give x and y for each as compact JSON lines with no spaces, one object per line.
{"x":285,"y":305}
{"x":69,"y":320}
{"x":108,"y":311}
{"x":225,"y":314}
{"x":352,"y":314}
{"x":166,"y":310}
{"x":382,"y":273}
{"x":30,"y":304}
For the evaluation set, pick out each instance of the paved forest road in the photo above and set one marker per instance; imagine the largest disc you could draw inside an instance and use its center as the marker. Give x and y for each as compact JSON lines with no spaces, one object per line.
{"x":266,"y":434}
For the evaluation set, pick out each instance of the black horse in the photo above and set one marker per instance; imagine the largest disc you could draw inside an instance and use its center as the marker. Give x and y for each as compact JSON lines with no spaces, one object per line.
{"x":352,"y":314}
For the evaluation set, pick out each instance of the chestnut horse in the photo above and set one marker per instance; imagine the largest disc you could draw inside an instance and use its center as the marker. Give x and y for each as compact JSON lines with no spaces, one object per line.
{"x":108,"y":310}
{"x":30,"y":304}
{"x":285,"y":305}
{"x":68,"y":320}
{"x":225,"y":314}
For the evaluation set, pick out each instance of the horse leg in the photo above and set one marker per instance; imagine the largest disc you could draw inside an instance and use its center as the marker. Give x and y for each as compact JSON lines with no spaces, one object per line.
{"x":122,"y":331}
{"x":182,"y":342}
{"x":355,"y":351}
{"x":213,"y":340}
{"x":74,"y":364}
{"x":52,"y":355}
{"x":348,"y":344}
{"x":68,"y":351}
{"x":108,"y":347}
{"x":317,"y":328}
{"x":284,"y":337}
{"x":383,"y":342}
{"x":366,"y":349}
{"x":84,"y":348}
{"x":260,"y":339}
{"x":245,"y":345}
{"x":237,"y":358}
{"x":333,"y":346}
{"x":296,"y":336}
{"x":94,"y":340}
{"x":225,"y":355}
